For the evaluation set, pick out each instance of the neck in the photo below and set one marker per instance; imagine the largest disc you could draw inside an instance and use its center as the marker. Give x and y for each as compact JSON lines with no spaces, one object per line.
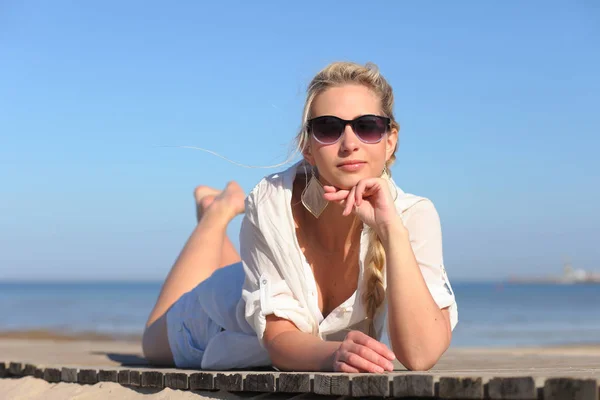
{"x":333,"y":231}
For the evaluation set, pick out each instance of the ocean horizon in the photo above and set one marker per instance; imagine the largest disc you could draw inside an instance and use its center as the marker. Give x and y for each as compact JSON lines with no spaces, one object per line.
{"x":490,"y":313}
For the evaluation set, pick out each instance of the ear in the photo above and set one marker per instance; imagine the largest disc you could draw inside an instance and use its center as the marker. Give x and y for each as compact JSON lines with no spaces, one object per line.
{"x":390,"y":143}
{"x":308,"y":156}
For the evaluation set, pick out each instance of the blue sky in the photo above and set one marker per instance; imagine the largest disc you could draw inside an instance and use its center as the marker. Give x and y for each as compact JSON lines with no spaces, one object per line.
{"x":498,"y":103}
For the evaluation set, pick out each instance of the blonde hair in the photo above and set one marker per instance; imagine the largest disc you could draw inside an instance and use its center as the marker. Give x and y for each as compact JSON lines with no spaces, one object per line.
{"x":344,"y":73}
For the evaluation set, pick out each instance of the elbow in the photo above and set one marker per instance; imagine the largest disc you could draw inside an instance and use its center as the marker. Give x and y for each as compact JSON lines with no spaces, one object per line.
{"x":419,"y":364}
{"x":418,"y":358}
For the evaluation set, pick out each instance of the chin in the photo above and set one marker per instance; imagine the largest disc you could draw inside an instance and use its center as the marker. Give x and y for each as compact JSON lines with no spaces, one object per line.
{"x":347,"y":181}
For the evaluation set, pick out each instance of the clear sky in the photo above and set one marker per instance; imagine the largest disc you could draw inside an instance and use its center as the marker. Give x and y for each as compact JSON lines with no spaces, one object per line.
{"x":498,"y":102}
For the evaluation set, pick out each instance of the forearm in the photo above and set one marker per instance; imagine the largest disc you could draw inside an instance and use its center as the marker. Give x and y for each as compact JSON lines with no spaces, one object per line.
{"x":419,"y":333}
{"x":300,"y":351}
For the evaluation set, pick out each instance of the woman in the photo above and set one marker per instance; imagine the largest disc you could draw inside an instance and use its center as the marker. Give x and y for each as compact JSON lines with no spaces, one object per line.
{"x":339,"y":269}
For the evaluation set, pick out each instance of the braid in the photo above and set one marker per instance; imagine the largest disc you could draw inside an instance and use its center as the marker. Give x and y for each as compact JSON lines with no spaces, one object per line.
{"x":374,"y":292}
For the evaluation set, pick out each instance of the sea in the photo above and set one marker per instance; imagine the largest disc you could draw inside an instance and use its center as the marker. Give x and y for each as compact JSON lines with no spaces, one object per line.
{"x":489,"y":314}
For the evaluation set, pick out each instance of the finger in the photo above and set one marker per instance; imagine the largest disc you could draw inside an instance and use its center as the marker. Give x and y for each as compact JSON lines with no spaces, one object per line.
{"x":363,"y":339}
{"x":360,"y":188}
{"x":371,"y":189}
{"x":349,"y":202}
{"x":365,"y":188}
{"x":357,"y":361}
{"x":329,"y":188}
{"x":337,"y":196}
{"x":340,"y":366}
{"x":372,"y":356}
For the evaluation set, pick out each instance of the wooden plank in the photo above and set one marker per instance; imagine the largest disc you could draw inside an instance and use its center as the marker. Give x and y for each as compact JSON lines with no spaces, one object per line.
{"x":202,"y":381}
{"x":176,"y":380}
{"x":340,"y":385}
{"x":518,"y":388}
{"x":87,"y":376}
{"x":15,"y":369}
{"x":229,"y":382}
{"x":68,"y":375}
{"x":568,"y":388}
{"x":322,"y":384}
{"x":153,"y":379}
{"x":123,"y":377}
{"x":294,"y":383}
{"x":263,"y":382}
{"x":39,"y":373}
{"x":135,"y":378}
{"x":105,"y":375}
{"x":460,"y":388}
{"x":331,"y":384}
{"x":413,"y":386}
{"x":370,"y":385}
{"x":28,"y":370}
{"x":52,"y":375}
{"x":3,"y":370}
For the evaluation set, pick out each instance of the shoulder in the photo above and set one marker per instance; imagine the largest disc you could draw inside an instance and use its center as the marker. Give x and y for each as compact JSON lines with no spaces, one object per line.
{"x":417,"y":212}
{"x":267,"y":188}
{"x":408,"y":204}
{"x":269,"y":194}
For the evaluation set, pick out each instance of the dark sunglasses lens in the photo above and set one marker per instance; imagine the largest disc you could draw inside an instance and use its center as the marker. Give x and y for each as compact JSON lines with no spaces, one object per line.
{"x":370,"y":128}
{"x":327,"y":129}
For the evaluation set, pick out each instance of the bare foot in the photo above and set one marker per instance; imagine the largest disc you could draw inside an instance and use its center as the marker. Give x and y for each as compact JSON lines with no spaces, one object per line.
{"x":201,"y":208}
{"x":204,"y":196}
{"x":231,"y":199}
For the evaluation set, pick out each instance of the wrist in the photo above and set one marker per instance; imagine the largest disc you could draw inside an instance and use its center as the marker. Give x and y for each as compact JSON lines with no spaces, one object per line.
{"x":392,"y":231}
{"x":329,"y":349}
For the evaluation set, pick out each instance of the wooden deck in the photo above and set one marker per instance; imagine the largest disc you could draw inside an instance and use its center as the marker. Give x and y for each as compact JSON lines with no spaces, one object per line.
{"x":561,"y":373}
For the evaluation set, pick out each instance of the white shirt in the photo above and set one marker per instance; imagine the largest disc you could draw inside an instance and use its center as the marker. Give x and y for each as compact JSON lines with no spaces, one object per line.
{"x":278,"y":279}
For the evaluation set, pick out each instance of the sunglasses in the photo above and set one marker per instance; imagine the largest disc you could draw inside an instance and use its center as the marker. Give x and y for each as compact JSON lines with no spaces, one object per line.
{"x":329,"y":129}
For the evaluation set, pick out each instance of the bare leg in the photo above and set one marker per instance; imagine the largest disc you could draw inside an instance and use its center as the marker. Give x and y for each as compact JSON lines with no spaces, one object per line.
{"x":201,"y":256}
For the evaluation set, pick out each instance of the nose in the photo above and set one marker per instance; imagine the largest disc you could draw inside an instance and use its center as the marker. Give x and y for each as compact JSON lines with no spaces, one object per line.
{"x":349,"y":142}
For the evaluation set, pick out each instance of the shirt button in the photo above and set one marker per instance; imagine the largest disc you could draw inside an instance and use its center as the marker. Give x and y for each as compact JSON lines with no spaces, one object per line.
{"x":264,"y":281}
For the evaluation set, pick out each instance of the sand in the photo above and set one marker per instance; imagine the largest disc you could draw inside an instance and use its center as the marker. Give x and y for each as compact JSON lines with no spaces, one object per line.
{"x":31,"y":388}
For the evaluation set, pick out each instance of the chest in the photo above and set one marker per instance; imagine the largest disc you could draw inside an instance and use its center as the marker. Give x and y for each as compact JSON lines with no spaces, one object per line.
{"x":336,"y":274}
{"x":335,"y":271}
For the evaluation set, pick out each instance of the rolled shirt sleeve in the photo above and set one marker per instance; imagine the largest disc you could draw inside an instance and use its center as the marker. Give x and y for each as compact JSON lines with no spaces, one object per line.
{"x":423,"y":224}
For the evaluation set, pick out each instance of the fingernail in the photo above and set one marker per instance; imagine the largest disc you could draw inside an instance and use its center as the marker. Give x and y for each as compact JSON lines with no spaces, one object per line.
{"x":390,"y":367}
{"x":379,"y":370}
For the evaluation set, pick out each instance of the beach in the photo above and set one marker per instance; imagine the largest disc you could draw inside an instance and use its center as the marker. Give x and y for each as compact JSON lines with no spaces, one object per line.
{"x":36,"y":353}
{"x":82,"y":340}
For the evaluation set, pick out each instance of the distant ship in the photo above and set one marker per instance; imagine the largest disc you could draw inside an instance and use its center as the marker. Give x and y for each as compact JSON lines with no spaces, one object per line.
{"x":570,"y":276}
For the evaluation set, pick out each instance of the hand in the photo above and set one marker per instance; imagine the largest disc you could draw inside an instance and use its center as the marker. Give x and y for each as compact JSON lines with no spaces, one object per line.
{"x":361,"y":353}
{"x":370,"y":199}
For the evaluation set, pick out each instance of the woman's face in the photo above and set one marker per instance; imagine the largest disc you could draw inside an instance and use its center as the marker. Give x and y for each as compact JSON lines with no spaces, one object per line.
{"x":344,"y":163}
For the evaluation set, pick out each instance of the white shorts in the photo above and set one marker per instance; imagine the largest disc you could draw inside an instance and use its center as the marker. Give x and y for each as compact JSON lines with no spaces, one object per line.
{"x":204,"y":312}
{"x":189,"y":329}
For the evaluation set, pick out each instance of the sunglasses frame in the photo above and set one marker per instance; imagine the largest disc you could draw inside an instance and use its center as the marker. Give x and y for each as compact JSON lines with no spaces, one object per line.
{"x":351,"y":122}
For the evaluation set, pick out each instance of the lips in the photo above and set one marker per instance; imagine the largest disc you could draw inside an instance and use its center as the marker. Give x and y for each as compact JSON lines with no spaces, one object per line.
{"x":350,"y":162}
{"x":352,"y":165}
